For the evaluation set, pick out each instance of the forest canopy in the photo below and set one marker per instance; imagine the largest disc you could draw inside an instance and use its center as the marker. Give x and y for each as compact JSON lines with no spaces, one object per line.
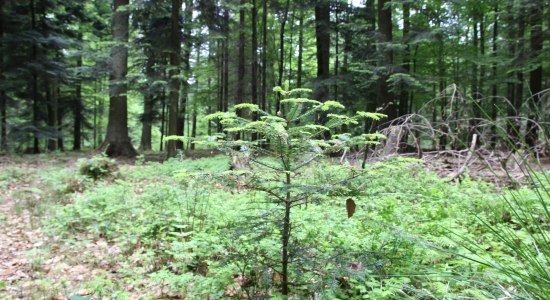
{"x":123,"y":75}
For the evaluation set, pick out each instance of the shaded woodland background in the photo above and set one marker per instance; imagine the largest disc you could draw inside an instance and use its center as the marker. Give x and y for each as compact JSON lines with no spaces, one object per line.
{"x":123,"y":75}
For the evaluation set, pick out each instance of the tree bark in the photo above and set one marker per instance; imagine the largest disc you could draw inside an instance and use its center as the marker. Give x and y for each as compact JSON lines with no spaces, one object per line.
{"x":404,"y":97}
{"x":3,"y":99}
{"x":264,"y":57}
{"x":535,"y":76}
{"x":187,"y":49}
{"x":494,"y":87}
{"x":282,"y":53}
{"x":193,"y":128}
{"x":226,"y":62}
{"x":254,"y":57}
{"x":513,"y":126}
{"x":118,"y":140}
{"x":34,"y":84}
{"x":337,"y":52}
{"x":241,"y":67}
{"x":77,"y":108}
{"x":148,"y":103}
{"x":60,"y":112}
{"x":385,"y":98}
{"x":322,"y":38}
{"x":300,"y":47}
{"x":174,"y":95}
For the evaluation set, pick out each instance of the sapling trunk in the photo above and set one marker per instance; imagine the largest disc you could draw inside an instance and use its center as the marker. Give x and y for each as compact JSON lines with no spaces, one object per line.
{"x":286,"y":233}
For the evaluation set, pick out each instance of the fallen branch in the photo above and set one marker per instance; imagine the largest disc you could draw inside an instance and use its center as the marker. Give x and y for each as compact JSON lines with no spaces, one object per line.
{"x":462,"y":168}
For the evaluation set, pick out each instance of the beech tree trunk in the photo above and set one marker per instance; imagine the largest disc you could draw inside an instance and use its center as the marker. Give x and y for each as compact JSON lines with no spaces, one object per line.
{"x":118,"y":140}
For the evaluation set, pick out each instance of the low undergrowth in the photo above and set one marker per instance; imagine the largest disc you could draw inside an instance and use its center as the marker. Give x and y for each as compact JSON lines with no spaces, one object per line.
{"x":174,"y":230}
{"x":191,"y":237}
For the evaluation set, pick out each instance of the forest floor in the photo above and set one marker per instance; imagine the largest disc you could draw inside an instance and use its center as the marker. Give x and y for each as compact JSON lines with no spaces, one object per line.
{"x":37,"y":262}
{"x":32,"y":264}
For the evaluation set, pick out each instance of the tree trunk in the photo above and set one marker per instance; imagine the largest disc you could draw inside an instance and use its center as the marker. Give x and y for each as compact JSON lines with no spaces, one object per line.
{"x":300,"y":47}
{"x":513,"y":126}
{"x":226,"y":62}
{"x":282,"y":52}
{"x":51,"y":104}
{"x":148,"y":103}
{"x":3,"y":99}
{"x":162,"y":120}
{"x":337,"y":53}
{"x":174,"y":95}
{"x":77,"y":108}
{"x":187,"y":49}
{"x":193,"y":128}
{"x":34,"y":85}
{"x":322,"y":38}
{"x":118,"y":140}
{"x":535,"y":76}
{"x":494,"y":87}
{"x":404,"y":97}
{"x":385,"y":98}
{"x":60,"y":112}
{"x":482,"y":68}
{"x":254,"y":57}
{"x":219,"y":58}
{"x":475,"y":42}
{"x":520,"y":51}
{"x":147,"y":123}
{"x":263,"y":104}
{"x":241,"y":67}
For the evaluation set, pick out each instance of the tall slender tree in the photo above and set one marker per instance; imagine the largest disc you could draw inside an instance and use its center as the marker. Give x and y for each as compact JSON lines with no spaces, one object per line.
{"x":3,"y":100}
{"x":536,"y":9}
{"x":322,"y":38}
{"x":118,"y":140}
{"x":385,"y":30}
{"x":241,"y":65}
{"x":174,"y":73}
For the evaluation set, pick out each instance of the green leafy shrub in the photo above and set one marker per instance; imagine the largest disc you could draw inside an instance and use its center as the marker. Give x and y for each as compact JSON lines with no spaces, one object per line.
{"x":97,"y":167}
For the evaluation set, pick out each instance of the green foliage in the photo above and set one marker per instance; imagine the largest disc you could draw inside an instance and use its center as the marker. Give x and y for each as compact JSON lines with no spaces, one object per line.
{"x":288,"y":143}
{"x":97,"y":167}
{"x":524,"y":235}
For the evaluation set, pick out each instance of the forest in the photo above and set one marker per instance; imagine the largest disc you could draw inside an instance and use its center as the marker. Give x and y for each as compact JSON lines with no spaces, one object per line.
{"x":275,"y":149}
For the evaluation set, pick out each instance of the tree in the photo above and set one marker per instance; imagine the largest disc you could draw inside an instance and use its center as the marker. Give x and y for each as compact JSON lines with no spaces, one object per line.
{"x":174,"y":73}
{"x":118,"y":140}
{"x":294,"y":145}
{"x":536,"y":9}
{"x":385,"y":97}
{"x":322,"y":38}
{"x":3,"y":105}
